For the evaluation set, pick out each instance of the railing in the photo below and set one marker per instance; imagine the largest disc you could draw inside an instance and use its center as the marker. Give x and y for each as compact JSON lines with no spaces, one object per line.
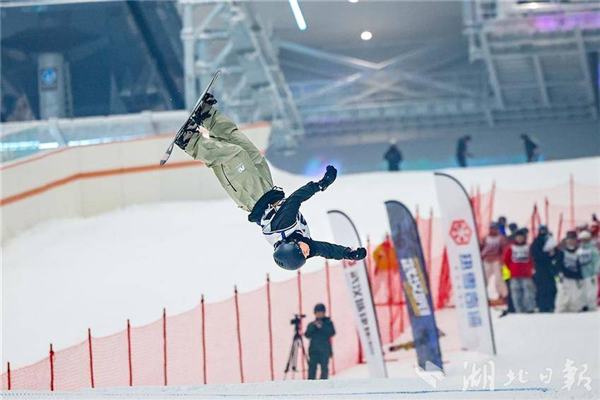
{"x":21,"y":139}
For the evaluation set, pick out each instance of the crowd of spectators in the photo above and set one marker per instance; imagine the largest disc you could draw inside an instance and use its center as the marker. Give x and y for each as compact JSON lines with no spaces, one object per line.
{"x":545,"y":275}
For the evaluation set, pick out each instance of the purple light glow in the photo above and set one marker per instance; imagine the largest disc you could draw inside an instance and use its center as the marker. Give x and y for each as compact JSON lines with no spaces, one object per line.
{"x":552,"y":23}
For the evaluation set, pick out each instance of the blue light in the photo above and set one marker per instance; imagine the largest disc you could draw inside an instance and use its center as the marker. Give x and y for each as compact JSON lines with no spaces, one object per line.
{"x":298,"y":14}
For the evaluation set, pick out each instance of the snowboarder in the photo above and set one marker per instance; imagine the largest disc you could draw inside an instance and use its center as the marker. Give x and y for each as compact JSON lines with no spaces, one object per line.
{"x":245,"y":175}
{"x":319,"y":332}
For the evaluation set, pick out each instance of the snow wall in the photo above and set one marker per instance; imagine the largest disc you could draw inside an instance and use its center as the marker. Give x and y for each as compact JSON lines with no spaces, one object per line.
{"x":61,"y":184}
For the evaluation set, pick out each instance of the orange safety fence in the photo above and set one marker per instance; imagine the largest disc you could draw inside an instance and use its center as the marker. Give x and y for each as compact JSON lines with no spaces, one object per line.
{"x":247,"y":338}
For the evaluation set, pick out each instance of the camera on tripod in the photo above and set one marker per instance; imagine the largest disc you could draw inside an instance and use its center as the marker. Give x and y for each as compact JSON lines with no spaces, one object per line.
{"x":297,"y":347}
{"x":297,"y":319}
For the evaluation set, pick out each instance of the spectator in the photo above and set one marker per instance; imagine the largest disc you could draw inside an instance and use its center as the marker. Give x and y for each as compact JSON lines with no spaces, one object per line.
{"x":393,"y":156}
{"x":512,"y":228}
{"x":568,"y":296}
{"x":532,"y":148}
{"x":319,"y":332}
{"x":462,"y":150}
{"x":518,"y":261}
{"x":589,"y":262}
{"x":512,"y":231}
{"x":502,"y":225}
{"x":492,"y":249}
{"x":542,"y":251}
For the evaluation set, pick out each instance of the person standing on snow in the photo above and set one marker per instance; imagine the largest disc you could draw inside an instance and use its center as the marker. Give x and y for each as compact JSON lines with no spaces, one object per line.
{"x":319,"y":332}
{"x":589,"y":262}
{"x":518,"y":261}
{"x":245,"y":175}
{"x":569,"y":286}
{"x":492,"y":248}
{"x":393,"y":157}
{"x":532,"y":148}
{"x":542,"y":251}
{"x":462,"y":150}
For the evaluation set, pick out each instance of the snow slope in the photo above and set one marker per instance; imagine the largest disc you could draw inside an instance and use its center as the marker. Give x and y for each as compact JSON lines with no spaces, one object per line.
{"x":64,"y":276}
{"x":535,"y":344}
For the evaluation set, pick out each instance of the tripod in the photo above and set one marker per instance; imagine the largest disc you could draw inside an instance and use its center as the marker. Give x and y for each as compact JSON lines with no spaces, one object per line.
{"x":297,"y":344}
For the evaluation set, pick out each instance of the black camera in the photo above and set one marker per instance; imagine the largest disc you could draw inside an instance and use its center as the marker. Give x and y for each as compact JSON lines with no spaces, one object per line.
{"x":297,"y":319}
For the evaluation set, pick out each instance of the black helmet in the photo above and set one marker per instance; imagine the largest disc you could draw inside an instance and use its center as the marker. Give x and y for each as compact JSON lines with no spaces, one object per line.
{"x":288,"y":255}
{"x":320,"y":307}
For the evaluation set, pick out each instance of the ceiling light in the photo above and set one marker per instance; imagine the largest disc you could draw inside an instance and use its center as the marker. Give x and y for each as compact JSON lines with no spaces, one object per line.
{"x":533,"y":6}
{"x":353,"y":1}
{"x":366,"y":35}
{"x":298,"y":14}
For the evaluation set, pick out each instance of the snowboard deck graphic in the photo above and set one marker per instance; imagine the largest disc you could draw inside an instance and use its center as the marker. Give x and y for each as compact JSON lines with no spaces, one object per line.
{"x":195,"y":111}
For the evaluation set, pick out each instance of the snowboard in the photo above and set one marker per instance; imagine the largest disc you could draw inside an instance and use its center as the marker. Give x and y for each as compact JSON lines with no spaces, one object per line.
{"x":195,"y":111}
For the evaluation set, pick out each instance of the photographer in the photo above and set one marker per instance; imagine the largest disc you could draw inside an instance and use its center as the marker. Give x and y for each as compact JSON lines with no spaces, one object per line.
{"x":319,"y":332}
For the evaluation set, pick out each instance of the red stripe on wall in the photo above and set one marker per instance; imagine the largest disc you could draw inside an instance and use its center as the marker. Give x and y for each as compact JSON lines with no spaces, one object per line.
{"x":94,"y":174}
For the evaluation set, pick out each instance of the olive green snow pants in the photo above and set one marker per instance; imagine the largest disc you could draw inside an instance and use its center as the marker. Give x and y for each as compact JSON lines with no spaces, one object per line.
{"x":238,"y":164}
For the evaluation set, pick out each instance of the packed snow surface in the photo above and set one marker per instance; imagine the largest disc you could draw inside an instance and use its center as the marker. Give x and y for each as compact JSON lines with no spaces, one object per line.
{"x":535,"y":355}
{"x":64,"y":276}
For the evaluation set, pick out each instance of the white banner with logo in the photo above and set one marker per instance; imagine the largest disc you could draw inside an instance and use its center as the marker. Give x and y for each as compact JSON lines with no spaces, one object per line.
{"x":466,"y":267}
{"x":359,"y":291}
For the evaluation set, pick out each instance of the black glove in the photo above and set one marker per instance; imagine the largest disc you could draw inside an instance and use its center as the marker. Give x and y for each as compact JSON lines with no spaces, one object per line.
{"x":358,"y":254}
{"x":209,"y":99}
{"x":329,"y":178}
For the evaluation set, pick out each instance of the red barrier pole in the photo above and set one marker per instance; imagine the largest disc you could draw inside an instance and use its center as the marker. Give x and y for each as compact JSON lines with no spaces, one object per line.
{"x":430,"y":245}
{"x":91,"y":356}
{"x":547,"y":212}
{"x":330,"y":308}
{"x":417,"y":216}
{"x":129,"y":353}
{"x":390,"y":293}
{"x":360,"y":355}
{"x":572,"y":200}
{"x":491,"y":204}
{"x":533,"y":214}
{"x":269,"y":321}
{"x":51,"y":368}
{"x":165,"y":344}
{"x":203,"y":340}
{"x":560,"y":226}
{"x":239,"y":333}
{"x":299,"y":279}
{"x":8,"y":373}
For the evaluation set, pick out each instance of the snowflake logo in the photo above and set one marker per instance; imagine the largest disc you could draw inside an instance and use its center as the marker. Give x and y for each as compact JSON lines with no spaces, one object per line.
{"x":460,"y":232}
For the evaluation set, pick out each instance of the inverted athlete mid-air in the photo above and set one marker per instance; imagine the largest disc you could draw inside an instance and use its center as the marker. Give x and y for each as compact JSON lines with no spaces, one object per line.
{"x":244,"y":174}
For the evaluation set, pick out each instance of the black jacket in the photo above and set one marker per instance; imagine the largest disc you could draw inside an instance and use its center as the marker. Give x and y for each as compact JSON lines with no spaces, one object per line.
{"x":394,"y":157}
{"x":319,"y":337}
{"x":287,"y":214}
{"x":566,"y":264}
{"x":544,"y":269}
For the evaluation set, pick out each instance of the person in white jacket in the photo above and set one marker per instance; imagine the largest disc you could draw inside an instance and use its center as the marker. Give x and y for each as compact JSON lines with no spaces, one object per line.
{"x":589,"y":261}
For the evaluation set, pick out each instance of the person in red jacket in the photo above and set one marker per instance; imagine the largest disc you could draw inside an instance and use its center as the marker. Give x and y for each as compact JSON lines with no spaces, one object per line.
{"x":518,"y":260}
